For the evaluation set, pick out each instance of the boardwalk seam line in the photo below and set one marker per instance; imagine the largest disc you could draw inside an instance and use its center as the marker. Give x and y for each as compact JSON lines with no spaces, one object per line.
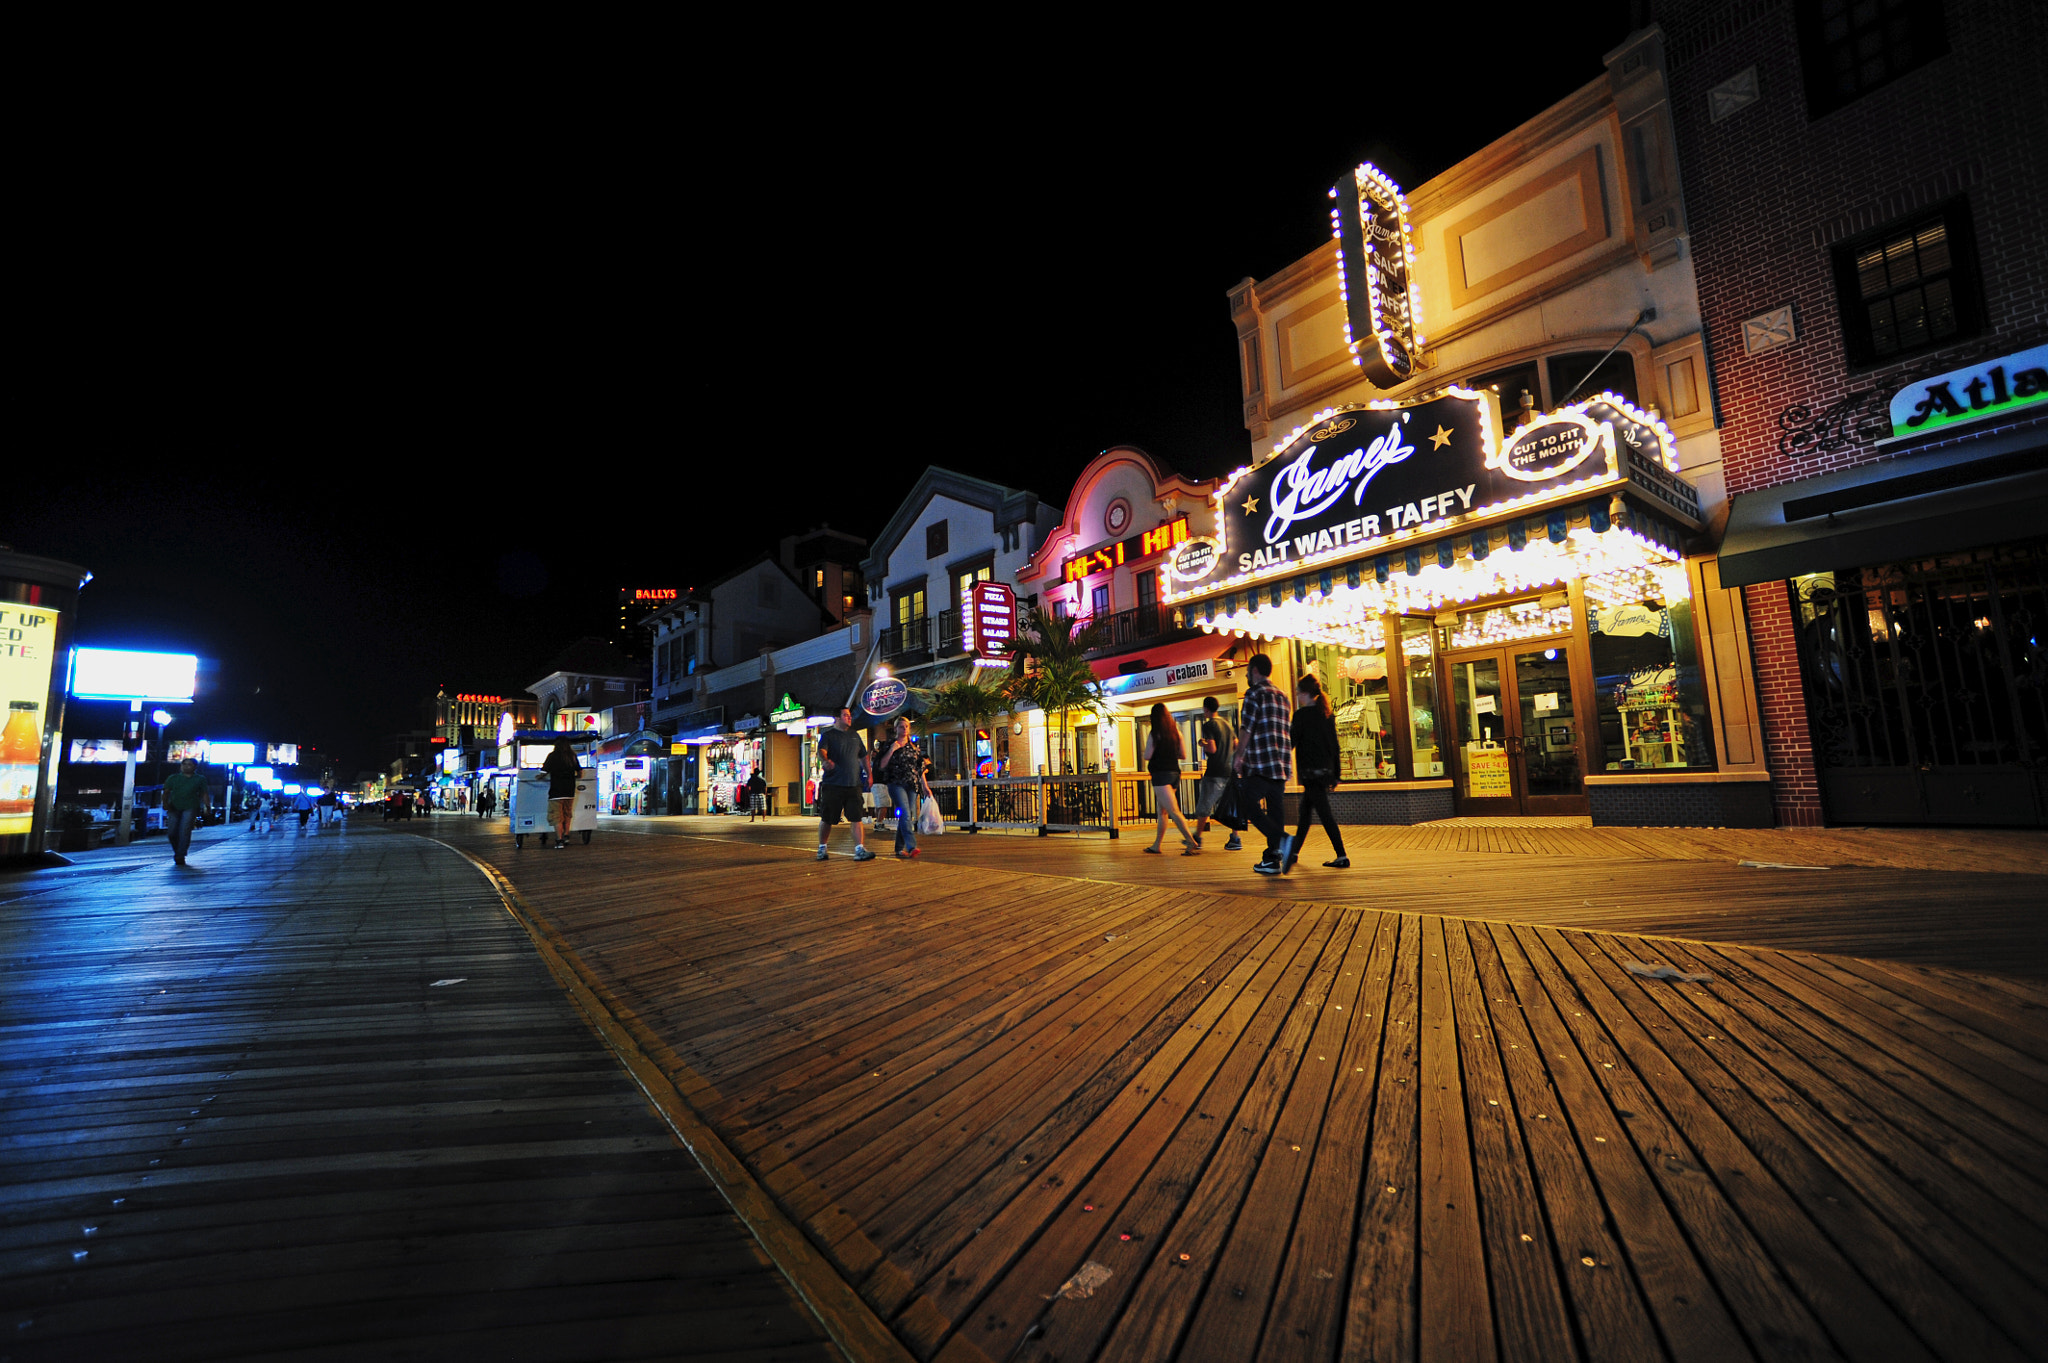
{"x":838,"y":1308}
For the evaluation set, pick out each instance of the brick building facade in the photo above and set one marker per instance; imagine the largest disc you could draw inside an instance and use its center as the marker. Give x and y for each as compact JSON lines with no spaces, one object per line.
{"x":1865,"y":195}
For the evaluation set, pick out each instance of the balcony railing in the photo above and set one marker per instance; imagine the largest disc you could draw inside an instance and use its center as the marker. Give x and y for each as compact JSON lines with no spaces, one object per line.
{"x":1134,"y":628}
{"x":923,"y":639}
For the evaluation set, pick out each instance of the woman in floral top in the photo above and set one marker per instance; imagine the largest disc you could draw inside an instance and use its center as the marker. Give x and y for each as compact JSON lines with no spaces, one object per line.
{"x":901,"y":766}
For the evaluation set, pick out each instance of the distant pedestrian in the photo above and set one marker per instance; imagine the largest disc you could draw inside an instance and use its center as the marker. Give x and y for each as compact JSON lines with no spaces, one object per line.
{"x":1163,"y":753}
{"x":303,"y":806}
{"x":757,"y":795}
{"x":330,"y":807}
{"x":259,"y":814}
{"x":1314,"y":732}
{"x":847,"y":769}
{"x":486,"y":801}
{"x":563,"y":771}
{"x":185,"y":801}
{"x":1219,"y":743}
{"x":1263,"y":759}
{"x":903,"y":771}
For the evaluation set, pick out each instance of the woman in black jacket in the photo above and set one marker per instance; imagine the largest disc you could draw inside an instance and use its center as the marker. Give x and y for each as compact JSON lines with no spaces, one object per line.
{"x":1315,"y":760}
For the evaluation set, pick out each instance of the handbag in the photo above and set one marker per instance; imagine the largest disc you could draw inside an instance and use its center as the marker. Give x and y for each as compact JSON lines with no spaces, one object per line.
{"x":929,"y":821}
{"x":1227,"y":811}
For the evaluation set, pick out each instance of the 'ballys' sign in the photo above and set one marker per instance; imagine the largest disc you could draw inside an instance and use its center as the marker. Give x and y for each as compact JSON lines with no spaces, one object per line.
{"x":1363,"y":475}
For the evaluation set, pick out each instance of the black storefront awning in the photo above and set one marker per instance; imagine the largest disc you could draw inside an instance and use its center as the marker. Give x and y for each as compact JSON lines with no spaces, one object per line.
{"x":1959,"y":497}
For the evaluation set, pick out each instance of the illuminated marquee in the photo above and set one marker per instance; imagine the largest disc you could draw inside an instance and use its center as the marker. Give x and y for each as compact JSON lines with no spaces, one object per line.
{"x":1366,"y":480}
{"x":1110,"y":556}
{"x":654,"y":593}
{"x":1375,"y":275}
{"x":470,"y":698}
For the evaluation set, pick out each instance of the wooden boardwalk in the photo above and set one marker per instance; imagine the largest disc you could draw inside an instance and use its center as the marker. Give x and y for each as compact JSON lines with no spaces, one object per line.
{"x":1049,"y":1116}
{"x":319,"y":1098}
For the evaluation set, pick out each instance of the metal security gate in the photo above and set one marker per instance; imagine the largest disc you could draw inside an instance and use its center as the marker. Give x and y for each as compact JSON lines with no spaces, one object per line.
{"x":1927,"y":688}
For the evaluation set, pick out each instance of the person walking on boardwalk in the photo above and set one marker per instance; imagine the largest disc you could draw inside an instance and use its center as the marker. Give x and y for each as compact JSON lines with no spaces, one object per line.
{"x":562,"y":770}
{"x":185,"y":803}
{"x":903,"y":771}
{"x":757,"y":795}
{"x":1162,"y":763}
{"x":846,"y":769}
{"x":1315,"y":741}
{"x":303,"y":806}
{"x":1262,"y":762}
{"x":486,"y":801}
{"x":1219,"y":741}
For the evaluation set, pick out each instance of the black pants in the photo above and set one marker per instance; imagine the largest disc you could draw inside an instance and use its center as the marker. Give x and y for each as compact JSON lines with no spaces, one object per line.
{"x":1315,"y":802}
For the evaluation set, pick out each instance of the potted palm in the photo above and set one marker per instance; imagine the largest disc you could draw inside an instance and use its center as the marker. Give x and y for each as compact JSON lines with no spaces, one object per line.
{"x":971,"y":704}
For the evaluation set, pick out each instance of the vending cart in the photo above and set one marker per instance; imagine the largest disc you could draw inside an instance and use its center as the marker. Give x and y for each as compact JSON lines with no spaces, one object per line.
{"x":530,"y":789}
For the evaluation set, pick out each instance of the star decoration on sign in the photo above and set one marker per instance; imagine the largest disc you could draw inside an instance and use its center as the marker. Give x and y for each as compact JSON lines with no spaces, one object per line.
{"x":1251,"y":506}
{"x":1441,"y":438}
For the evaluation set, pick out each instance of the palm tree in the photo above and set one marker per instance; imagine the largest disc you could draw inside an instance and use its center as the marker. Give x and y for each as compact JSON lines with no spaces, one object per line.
{"x":971,"y":704}
{"x":1049,"y":668}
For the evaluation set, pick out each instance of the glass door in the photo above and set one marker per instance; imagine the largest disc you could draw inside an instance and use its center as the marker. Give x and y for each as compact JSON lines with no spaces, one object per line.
{"x":1552,"y":780}
{"x":1480,"y":708}
{"x":1516,"y":730}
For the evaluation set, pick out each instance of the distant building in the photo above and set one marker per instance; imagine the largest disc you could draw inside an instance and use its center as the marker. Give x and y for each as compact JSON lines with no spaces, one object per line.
{"x":587,"y":679}
{"x":827,"y":563}
{"x":635,"y":605}
{"x":952,"y":531}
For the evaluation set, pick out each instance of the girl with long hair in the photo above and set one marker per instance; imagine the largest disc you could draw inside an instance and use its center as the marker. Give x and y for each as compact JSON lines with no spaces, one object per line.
{"x":1314,"y":731}
{"x":1163,"y":753}
{"x":901,"y":767}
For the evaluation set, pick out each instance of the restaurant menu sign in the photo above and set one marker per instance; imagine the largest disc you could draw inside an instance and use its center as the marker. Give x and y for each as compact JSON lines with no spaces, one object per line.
{"x":992,"y":624}
{"x":1375,"y":260}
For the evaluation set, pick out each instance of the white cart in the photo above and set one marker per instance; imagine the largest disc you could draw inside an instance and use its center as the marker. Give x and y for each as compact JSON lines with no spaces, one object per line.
{"x":530,"y":806}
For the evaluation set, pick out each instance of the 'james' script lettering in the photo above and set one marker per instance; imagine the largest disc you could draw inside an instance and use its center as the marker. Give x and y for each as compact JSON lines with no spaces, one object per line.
{"x":1300,"y":492}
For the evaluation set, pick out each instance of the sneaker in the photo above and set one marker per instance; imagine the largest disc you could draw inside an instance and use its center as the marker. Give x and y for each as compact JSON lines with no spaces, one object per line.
{"x":914,"y":852}
{"x":1234,"y":845}
{"x":862,"y":854}
{"x":823,"y":855}
{"x":1268,"y":868}
{"x":1340,"y":864}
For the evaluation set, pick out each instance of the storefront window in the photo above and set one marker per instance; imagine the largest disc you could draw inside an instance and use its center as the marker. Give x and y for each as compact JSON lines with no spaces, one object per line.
{"x":1355,"y":679}
{"x":1646,"y":671}
{"x":1535,"y":619}
{"x":1418,"y":662}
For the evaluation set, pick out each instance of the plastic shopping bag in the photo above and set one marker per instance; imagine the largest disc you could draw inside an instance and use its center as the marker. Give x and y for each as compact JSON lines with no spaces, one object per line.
{"x":929,"y":820}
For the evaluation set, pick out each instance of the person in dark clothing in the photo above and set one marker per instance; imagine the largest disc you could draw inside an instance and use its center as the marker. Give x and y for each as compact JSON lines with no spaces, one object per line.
{"x":757,"y":796}
{"x":1314,"y":732}
{"x":486,"y":801}
{"x":562,"y":770}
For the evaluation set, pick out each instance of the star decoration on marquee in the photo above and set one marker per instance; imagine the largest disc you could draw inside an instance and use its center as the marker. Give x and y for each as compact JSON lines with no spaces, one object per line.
{"x":1441,"y":438}
{"x":1251,"y":506}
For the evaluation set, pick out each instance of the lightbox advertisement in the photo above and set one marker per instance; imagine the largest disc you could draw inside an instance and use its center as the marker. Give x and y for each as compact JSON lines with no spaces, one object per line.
{"x":28,"y":644}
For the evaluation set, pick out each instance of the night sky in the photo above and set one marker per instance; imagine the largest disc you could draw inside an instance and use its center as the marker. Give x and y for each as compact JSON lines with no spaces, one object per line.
{"x":358,"y":399}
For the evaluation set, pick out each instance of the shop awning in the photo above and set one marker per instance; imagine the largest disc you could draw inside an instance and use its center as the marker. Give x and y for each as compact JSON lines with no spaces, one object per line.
{"x":1976,"y":493}
{"x":1149,"y":669}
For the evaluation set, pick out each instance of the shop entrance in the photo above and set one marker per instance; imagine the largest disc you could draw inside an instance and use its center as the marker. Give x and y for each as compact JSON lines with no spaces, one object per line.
{"x":1515,"y":733}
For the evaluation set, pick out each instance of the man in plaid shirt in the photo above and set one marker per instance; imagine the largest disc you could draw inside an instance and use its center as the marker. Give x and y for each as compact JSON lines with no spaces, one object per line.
{"x":1264,"y":755}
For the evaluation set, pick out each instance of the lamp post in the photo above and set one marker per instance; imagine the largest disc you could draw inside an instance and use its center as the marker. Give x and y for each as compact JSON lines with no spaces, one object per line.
{"x":162,"y":720}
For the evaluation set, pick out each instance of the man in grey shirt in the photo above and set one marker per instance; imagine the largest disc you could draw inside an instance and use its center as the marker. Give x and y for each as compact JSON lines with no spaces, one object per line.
{"x":1218,"y":741}
{"x":839,"y":792}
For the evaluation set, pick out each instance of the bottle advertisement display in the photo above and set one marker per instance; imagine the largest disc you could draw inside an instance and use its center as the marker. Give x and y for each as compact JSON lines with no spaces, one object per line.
{"x":28,"y":645}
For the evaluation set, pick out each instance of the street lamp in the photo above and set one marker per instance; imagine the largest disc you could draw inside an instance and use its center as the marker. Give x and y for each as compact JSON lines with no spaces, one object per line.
{"x":162,"y":719}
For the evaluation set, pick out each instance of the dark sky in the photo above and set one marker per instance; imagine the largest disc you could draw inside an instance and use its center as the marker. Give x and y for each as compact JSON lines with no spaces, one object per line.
{"x":359,"y":397}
